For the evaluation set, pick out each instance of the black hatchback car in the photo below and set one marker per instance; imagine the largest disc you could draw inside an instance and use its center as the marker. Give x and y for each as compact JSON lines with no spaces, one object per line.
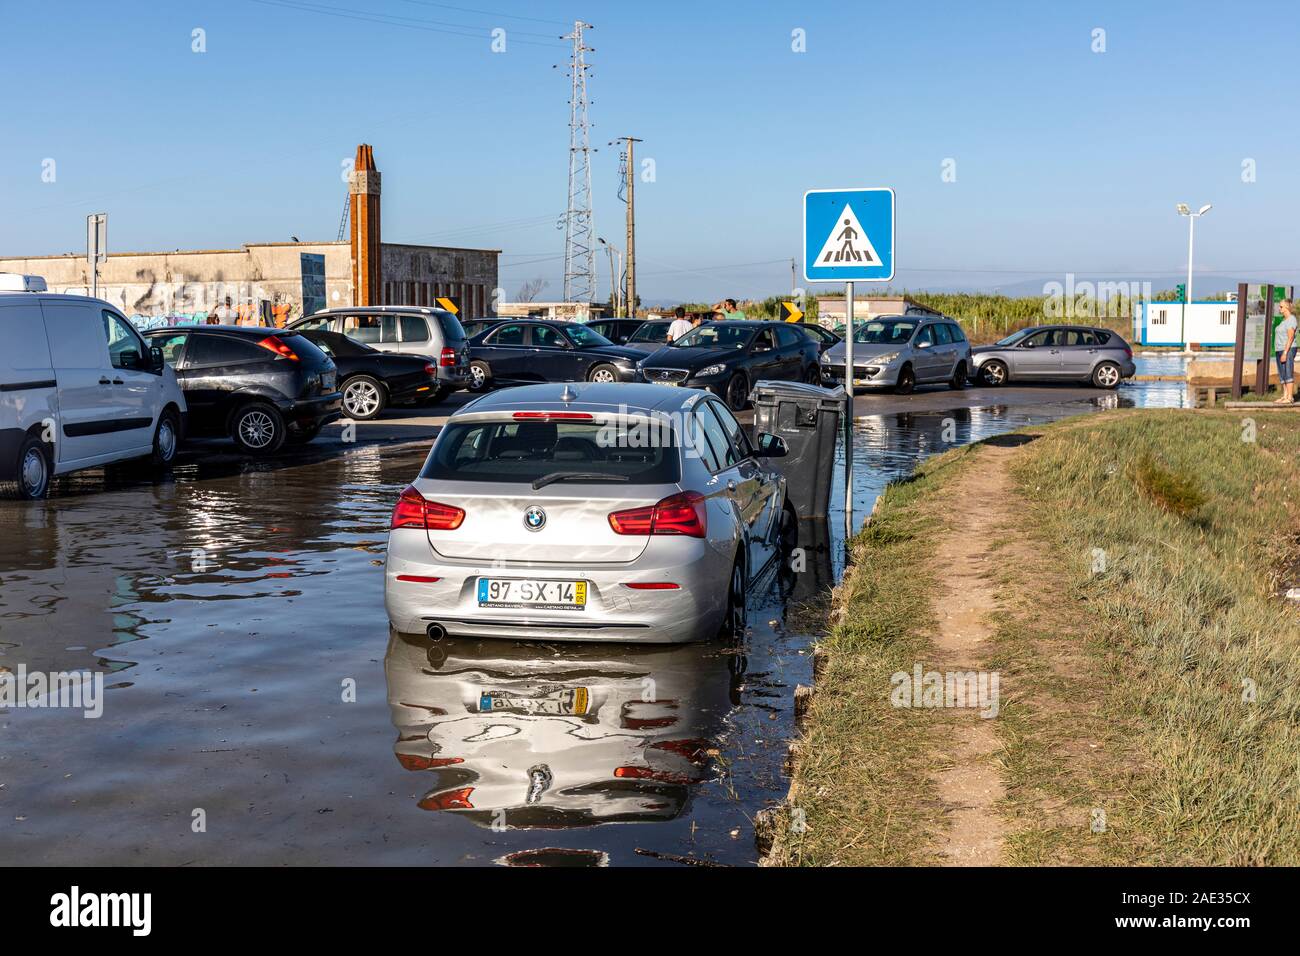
{"x":616,"y":330}
{"x":728,"y":357}
{"x":260,"y":386}
{"x":532,"y":350}
{"x":371,"y":380}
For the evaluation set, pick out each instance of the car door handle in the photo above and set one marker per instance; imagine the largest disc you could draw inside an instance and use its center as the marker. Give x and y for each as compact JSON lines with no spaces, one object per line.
{"x":731,"y":485}
{"x":104,"y":381}
{"x":118,"y":381}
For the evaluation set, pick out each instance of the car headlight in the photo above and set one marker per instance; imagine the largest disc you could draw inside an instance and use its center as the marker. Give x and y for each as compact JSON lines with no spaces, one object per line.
{"x":883,"y":359}
{"x":711,"y":370}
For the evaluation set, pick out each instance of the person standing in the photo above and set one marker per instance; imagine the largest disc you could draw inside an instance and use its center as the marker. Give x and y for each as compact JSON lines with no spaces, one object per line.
{"x":679,"y":326}
{"x":1284,"y":349}
{"x":728,"y":309}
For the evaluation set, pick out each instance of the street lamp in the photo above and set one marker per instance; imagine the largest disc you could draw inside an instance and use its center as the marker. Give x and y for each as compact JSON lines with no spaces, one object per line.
{"x":1186,"y":210}
{"x":615,"y":277}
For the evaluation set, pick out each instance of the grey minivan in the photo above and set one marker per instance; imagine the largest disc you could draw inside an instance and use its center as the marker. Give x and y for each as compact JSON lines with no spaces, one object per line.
{"x":435,"y":334}
{"x":901,"y":352}
{"x":1061,"y":352}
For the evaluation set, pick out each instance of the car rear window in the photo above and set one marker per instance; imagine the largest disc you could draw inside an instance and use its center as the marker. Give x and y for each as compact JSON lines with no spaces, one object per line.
{"x":515,"y":451}
{"x":650,"y":332}
{"x":452,"y":330}
{"x":212,"y":350}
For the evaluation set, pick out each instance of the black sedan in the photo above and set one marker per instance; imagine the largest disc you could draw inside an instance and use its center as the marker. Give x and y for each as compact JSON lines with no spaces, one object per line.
{"x":650,"y":336}
{"x":260,"y":386}
{"x":823,"y":336}
{"x":616,"y":330}
{"x":473,"y":327}
{"x":371,"y":380}
{"x":727,"y":358}
{"x":532,"y":350}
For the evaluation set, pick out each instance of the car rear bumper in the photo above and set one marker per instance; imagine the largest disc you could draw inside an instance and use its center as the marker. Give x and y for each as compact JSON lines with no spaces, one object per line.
{"x":312,"y":412}
{"x":614,"y":612}
{"x":456,"y":377}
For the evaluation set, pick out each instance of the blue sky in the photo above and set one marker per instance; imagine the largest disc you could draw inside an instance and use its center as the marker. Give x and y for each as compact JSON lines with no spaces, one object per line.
{"x":1066,"y":160}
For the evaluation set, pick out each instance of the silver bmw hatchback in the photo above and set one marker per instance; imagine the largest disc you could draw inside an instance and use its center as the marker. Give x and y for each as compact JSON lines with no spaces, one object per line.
{"x":587,"y":512}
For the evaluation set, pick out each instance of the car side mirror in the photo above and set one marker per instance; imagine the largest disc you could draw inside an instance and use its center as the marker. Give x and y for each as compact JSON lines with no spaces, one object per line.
{"x":923,"y":345}
{"x":772,"y":446}
{"x":130,"y":358}
{"x":156,"y":361}
{"x":1026,"y":344}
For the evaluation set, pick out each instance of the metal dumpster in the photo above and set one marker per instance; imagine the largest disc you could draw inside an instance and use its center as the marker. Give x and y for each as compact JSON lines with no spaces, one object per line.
{"x":809,"y":418}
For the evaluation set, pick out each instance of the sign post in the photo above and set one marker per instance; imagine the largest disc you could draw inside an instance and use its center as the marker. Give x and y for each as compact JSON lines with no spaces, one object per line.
{"x":96,"y":247}
{"x":848,"y":236}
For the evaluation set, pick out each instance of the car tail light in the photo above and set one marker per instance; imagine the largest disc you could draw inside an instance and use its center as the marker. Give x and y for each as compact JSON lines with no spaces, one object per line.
{"x":451,"y":800}
{"x":448,"y":359}
{"x":649,"y":586}
{"x":430,"y":369}
{"x":684,"y":513}
{"x":553,"y":417}
{"x":414,"y":511}
{"x":418,"y":578}
{"x":275,"y":344}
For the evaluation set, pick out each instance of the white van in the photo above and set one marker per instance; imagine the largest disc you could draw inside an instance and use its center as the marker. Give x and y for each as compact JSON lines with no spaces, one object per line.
{"x":78,"y":388}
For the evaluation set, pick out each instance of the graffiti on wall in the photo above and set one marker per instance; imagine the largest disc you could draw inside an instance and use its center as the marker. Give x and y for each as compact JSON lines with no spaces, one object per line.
{"x":151,"y":303}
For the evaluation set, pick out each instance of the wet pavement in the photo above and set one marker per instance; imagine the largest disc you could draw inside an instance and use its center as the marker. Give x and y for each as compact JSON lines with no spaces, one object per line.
{"x":235,"y":612}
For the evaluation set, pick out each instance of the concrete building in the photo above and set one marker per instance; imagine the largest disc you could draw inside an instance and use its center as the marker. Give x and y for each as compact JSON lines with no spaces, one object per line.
{"x":1207,"y":323}
{"x":563,"y":311}
{"x":831,"y":311}
{"x":276,"y":282}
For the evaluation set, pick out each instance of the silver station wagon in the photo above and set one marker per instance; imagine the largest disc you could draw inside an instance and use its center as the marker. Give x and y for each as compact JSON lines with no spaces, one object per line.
{"x":587,"y":511}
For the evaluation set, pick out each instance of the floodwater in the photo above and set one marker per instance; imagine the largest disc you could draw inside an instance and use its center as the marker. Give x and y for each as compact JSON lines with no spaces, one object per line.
{"x":256,"y":708}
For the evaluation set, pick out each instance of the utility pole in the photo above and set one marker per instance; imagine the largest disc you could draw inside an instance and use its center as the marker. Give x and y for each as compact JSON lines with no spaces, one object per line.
{"x":794,"y":280}
{"x":629,"y":184}
{"x":579,"y":229}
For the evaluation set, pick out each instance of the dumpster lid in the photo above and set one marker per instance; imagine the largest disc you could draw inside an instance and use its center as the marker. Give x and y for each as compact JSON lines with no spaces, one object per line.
{"x":766,"y":388}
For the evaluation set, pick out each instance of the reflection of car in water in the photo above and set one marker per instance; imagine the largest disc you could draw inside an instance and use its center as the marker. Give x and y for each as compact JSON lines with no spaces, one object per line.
{"x":518,"y":735}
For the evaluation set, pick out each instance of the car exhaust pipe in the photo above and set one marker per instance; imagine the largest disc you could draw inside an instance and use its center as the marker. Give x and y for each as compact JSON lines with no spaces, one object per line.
{"x":436,"y":631}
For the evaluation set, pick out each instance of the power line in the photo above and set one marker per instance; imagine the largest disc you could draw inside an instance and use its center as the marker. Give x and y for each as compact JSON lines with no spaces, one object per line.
{"x":486,"y":13}
{"x":410,"y":23}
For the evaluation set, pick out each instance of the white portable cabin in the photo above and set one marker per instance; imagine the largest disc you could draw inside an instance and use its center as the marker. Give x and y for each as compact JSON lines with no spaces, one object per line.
{"x":1207,"y":323}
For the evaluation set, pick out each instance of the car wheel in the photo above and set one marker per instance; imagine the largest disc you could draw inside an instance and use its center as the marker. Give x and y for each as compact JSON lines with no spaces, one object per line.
{"x":733,"y":619}
{"x":958,"y":376}
{"x":603,"y":373}
{"x":993,"y":373}
{"x":789,"y":530}
{"x":166,"y":439}
{"x":906,"y":381}
{"x":363,"y":397}
{"x":258,"y":428}
{"x":737,"y":396}
{"x":32,"y":469}
{"x":480,"y":376}
{"x":1106,"y":375}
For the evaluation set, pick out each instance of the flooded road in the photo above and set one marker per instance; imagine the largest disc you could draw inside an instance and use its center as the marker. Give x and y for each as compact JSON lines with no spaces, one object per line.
{"x":257,"y":709}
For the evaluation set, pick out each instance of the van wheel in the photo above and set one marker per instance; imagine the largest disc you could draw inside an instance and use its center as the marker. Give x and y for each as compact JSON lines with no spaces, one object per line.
{"x":958,"y":377}
{"x":166,"y":439}
{"x":363,"y":397}
{"x":32,"y":470}
{"x":733,"y":619}
{"x":258,"y":428}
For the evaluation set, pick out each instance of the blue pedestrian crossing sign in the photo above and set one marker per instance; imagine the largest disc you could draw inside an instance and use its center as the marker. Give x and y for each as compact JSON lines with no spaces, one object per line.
{"x":848,"y":235}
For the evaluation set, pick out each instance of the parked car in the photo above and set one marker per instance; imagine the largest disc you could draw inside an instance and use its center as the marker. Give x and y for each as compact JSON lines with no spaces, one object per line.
{"x":536,"y":350}
{"x":1062,"y":352}
{"x":901,"y":352}
{"x":650,"y":336}
{"x":371,"y":380}
{"x":260,"y":386}
{"x":473,"y":327}
{"x":80,"y":386}
{"x":532,"y":518}
{"x":617,"y":331}
{"x":728,"y":357}
{"x":824,"y":337}
{"x":415,"y":330}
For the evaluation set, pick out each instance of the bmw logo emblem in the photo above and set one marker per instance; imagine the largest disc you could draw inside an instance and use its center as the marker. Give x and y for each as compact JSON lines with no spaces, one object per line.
{"x":534,"y":519}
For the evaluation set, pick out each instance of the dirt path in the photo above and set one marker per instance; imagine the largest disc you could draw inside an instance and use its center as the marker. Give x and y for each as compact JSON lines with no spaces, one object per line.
{"x":970,"y":784}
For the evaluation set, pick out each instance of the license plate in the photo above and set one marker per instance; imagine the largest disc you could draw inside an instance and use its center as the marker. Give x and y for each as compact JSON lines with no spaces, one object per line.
{"x":327,"y":380}
{"x":663,"y":382}
{"x":532,"y":593}
{"x":568,"y":702}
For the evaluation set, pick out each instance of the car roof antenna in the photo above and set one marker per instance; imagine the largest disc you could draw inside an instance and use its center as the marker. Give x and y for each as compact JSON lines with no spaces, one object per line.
{"x":568,"y":394}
